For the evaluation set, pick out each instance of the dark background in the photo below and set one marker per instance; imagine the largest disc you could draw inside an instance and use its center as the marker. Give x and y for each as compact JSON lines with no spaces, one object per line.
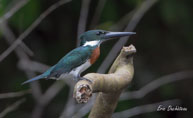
{"x":164,"y":43}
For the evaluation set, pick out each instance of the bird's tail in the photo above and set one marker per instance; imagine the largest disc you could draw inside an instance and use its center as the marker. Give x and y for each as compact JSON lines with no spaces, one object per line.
{"x":35,"y":78}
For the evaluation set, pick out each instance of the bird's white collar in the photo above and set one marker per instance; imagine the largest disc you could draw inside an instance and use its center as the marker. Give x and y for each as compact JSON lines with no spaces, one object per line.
{"x":91,"y":43}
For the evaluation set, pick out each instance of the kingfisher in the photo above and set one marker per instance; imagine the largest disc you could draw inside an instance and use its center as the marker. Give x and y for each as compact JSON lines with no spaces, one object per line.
{"x":79,"y":59}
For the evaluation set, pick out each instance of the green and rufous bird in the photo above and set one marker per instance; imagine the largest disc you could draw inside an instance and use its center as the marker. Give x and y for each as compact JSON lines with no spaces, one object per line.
{"x":80,"y":58}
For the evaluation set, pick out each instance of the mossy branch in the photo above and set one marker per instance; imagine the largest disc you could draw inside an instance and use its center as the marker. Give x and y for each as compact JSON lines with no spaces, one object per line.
{"x":109,"y":85}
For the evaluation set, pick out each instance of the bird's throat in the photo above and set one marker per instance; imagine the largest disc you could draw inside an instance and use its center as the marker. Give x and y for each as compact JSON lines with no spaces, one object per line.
{"x":92,"y":43}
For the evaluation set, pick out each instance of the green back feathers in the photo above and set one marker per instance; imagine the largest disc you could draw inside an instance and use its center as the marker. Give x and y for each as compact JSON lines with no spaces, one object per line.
{"x":72,"y":60}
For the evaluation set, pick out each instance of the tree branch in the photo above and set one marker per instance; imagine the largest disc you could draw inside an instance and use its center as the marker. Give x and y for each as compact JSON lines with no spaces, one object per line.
{"x":13,"y":94}
{"x":109,"y":85}
{"x":123,"y":21}
{"x":83,"y":18}
{"x":6,"y":30}
{"x":23,"y":57}
{"x":97,"y":14}
{"x":10,"y":38}
{"x":85,"y":109}
{"x":33,"y":66}
{"x":69,"y":108}
{"x":45,"y":99}
{"x":12,"y":107}
{"x":156,"y":84}
{"x":146,"y":5}
{"x":31,"y":28}
{"x":13,"y":10}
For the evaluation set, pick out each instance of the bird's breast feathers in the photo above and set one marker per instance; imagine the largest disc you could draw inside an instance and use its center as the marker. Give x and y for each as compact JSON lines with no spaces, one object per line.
{"x":78,"y":70}
{"x":95,"y":54}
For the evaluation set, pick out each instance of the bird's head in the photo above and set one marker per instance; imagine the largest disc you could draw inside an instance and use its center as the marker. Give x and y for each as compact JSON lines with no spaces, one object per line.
{"x":96,"y":37}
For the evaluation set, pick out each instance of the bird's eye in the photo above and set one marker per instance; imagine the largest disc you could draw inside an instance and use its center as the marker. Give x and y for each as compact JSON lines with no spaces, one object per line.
{"x":100,"y":32}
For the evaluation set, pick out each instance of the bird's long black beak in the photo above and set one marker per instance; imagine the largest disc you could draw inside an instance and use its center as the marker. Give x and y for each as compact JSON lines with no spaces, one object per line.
{"x":111,"y":35}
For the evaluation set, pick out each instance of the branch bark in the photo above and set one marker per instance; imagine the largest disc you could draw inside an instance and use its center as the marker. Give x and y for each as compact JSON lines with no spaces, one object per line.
{"x":109,"y":85}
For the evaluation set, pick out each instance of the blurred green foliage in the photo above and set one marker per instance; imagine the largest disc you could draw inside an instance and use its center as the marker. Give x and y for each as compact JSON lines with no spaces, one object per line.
{"x":26,"y":15}
{"x":4,"y":4}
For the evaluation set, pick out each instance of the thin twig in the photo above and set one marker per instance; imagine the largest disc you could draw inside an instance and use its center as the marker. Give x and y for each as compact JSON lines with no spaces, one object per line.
{"x":70,"y":105}
{"x":44,"y":100}
{"x":13,"y":10}
{"x":37,"y":111}
{"x":33,"y":66}
{"x":13,"y":94}
{"x":35,"y":86}
{"x":156,"y":84}
{"x":7,"y":31}
{"x":98,"y":12}
{"x":146,"y":5}
{"x":30,"y":29}
{"x":144,"y":109}
{"x":82,"y":18}
{"x":12,"y":107}
{"x":51,"y":92}
{"x":10,"y":37}
{"x":123,"y":21}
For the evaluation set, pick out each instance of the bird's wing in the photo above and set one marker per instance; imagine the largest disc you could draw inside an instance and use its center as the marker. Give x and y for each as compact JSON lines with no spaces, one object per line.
{"x":72,"y":60}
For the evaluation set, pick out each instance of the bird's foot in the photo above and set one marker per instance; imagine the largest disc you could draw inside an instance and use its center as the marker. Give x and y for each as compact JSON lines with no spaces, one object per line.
{"x":82,"y":78}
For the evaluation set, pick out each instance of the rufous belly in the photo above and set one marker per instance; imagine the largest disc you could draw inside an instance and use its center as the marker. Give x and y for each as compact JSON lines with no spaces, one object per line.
{"x":95,"y":55}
